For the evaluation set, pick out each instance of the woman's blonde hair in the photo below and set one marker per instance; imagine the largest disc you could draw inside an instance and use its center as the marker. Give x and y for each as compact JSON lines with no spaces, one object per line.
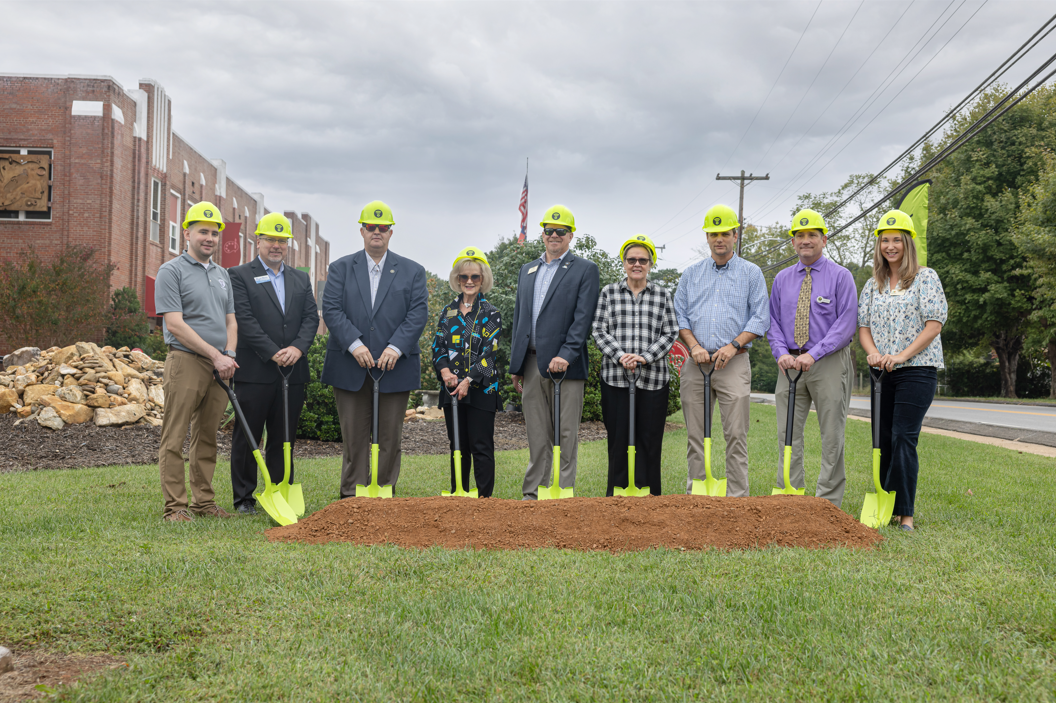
{"x":486,"y":279}
{"x":907,"y":270}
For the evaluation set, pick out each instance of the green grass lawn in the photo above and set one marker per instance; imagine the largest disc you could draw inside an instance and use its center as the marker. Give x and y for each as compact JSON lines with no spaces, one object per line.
{"x":963,"y":609}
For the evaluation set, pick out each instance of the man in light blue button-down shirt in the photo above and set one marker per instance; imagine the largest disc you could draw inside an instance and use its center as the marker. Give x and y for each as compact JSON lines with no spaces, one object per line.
{"x":721,"y":306}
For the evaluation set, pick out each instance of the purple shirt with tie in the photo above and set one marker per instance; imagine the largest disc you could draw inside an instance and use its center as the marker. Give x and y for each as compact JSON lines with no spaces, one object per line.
{"x":833,"y":308}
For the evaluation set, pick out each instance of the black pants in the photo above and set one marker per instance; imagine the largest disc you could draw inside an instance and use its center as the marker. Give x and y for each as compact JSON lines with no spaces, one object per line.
{"x":476,"y":438}
{"x":650,"y":414}
{"x":262,"y":404}
{"x":906,"y":394}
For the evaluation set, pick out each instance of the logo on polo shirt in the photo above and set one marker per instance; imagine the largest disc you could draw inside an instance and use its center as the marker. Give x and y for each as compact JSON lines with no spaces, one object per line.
{"x":223,"y":284}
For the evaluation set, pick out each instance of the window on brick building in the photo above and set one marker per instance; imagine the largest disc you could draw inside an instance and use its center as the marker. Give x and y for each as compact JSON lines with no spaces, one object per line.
{"x":155,"y":209}
{"x":174,"y":222}
{"x":40,"y":214}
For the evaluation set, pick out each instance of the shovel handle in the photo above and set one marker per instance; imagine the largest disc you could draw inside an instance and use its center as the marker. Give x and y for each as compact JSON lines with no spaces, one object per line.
{"x":238,"y":411}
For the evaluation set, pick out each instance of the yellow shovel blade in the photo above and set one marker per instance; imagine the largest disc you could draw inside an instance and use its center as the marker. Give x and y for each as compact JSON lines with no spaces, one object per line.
{"x":459,"y":492}
{"x":271,"y":498}
{"x":554,"y":492}
{"x":631,"y":492}
{"x":373,"y":490}
{"x":291,"y":491}
{"x":878,"y":507}
{"x":714,"y":487}
{"x":788,"y":490}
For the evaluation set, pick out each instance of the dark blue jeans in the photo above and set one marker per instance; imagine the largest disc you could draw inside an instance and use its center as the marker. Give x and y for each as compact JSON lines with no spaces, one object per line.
{"x":906,"y":394}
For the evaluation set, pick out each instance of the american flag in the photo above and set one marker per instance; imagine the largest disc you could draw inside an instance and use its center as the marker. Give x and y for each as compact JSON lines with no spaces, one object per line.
{"x":524,"y":211}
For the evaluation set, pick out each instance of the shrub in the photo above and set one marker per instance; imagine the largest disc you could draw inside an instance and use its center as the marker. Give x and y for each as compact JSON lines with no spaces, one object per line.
{"x":56,"y":302}
{"x":970,"y":374}
{"x":128,"y":321}
{"x":153,"y":345}
{"x":319,"y":417}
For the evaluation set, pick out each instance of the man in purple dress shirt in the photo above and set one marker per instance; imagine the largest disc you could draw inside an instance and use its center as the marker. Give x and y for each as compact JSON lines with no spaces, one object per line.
{"x":813,"y":313}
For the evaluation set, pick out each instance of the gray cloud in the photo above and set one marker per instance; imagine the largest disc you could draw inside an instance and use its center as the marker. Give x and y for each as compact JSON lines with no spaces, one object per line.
{"x":627,"y":110}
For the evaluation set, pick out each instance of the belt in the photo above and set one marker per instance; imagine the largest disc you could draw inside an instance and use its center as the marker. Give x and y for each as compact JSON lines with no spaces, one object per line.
{"x":174,"y":349}
{"x":531,"y":352}
{"x":797,"y":352}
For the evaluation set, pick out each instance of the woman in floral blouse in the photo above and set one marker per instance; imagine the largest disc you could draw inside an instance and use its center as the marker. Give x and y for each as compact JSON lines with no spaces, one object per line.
{"x":900,"y":313}
{"x":467,"y":335}
{"x":635,"y":326}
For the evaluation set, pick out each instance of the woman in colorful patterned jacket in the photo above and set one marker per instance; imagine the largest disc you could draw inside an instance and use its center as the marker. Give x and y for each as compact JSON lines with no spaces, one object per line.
{"x":467,"y":335}
{"x":635,"y":327}
{"x":900,"y":313}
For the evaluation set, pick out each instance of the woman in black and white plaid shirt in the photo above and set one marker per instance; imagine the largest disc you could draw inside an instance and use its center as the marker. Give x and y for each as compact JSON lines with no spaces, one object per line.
{"x":634,"y":326}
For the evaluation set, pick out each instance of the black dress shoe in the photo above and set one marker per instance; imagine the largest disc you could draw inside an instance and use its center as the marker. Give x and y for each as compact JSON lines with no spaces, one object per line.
{"x":247,"y":509}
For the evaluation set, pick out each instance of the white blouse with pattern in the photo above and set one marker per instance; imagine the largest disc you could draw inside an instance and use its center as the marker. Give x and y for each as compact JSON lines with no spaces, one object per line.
{"x":896,"y":318}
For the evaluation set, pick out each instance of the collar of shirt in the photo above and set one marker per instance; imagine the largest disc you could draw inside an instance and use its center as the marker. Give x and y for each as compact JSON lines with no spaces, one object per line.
{"x":193,"y":260}
{"x":800,"y":267}
{"x":555,"y":261}
{"x":649,"y":286}
{"x":371,"y":264}
{"x":271,"y":273}
{"x":729,"y":265}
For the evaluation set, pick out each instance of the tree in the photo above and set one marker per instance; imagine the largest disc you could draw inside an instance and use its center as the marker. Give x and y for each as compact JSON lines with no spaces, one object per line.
{"x":990,"y":287}
{"x":854,"y":245}
{"x":128,"y":322}
{"x":1035,"y":235}
{"x":440,"y":295}
{"x":56,"y":302}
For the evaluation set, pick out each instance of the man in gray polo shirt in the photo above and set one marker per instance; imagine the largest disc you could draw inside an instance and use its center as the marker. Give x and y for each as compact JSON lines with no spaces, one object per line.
{"x":194,"y":296}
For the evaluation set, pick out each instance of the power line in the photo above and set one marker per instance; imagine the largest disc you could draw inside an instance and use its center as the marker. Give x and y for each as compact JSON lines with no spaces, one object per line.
{"x":1014,"y":58}
{"x":798,"y":41}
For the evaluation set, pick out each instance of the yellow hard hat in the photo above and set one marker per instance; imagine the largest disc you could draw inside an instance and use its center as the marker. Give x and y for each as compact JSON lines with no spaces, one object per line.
{"x":474,"y":253}
{"x":720,"y":218}
{"x":559,"y":215}
{"x":274,"y":224}
{"x":376,"y":213}
{"x":639,"y":240}
{"x":204,"y":212}
{"x":896,"y":219}
{"x":808,"y":219}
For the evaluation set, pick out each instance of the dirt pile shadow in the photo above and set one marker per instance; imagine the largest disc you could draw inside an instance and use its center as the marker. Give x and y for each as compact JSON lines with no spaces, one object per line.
{"x":588,"y":524}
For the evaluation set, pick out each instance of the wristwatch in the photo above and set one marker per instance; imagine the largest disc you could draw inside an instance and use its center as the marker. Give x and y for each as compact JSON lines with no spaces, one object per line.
{"x":228,"y":352}
{"x":736,"y":345}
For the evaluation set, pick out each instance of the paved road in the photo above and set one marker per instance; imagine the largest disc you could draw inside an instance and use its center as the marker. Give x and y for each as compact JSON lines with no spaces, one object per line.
{"x":1032,"y":418}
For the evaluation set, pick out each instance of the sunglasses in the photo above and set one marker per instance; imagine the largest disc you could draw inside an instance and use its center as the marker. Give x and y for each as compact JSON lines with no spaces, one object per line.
{"x":464,"y":277}
{"x":380,"y":228}
{"x":555,"y":232}
{"x":631,"y":261}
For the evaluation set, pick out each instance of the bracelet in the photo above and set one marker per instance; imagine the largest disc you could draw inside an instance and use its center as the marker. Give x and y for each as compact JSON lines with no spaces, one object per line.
{"x":694,"y":347}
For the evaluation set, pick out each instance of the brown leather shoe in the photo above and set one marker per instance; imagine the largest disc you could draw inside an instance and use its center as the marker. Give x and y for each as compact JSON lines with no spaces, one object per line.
{"x":179,"y":516}
{"x":213,"y":510}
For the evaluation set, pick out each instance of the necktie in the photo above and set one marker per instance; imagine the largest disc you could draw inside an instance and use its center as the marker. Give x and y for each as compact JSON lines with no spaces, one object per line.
{"x":802,"y":329}
{"x":375,"y":279}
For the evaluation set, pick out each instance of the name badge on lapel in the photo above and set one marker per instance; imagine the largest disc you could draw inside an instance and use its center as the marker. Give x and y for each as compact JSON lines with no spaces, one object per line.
{"x":261,"y":279}
{"x":533,"y":269}
{"x":820,"y":299}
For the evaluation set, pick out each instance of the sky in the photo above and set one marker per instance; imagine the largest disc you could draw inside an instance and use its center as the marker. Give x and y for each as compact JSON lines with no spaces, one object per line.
{"x":626,"y":111}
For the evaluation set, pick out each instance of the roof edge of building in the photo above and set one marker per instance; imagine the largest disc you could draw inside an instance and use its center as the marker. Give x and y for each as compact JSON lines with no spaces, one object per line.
{"x":64,"y":76}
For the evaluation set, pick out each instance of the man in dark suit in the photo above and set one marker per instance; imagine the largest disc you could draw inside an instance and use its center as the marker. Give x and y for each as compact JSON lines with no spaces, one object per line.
{"x":277,"y":322}
{"x":376,"y":306}
{"x":557,"y":295}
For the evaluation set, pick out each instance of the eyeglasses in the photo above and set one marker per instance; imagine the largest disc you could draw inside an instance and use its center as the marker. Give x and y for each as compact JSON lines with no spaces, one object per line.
{"x":381,"y":228}
{"x":555,"y":232}
{"x":464,"y":277}
{"x":631,"y":261}
{"x":275,"y":240}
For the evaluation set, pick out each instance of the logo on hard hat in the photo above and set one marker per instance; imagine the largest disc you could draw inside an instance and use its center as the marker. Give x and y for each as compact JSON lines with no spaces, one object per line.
{"x":557,"y":216}
{"x":717,"y":221}
{"x":890,"y":220}
{"x":207,"y":213}
{"x":470,"y":252}
{"x":641,"y":237}
{"x":278,"y":228}
{"x":803,"y":221}
{"x":378,"y":213}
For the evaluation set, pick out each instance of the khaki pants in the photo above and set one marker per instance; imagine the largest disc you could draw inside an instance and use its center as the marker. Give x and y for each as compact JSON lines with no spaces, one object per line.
{"x":731,"y":387}
{"x":192,"y":397}
{"x":538,"y":406}
{"x":828,"y":386}
{"x":355,"y":411}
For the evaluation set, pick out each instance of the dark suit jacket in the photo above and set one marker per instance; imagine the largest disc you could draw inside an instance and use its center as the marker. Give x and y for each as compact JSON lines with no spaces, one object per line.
{"x":264,"y":329}
{"x":564,"y":320}
{"x":400,"y":312}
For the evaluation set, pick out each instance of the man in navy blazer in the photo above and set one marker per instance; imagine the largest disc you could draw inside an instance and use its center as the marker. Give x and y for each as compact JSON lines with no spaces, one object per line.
{"x":376,"y":306}
{"x":274,"y":335}
{"x":557,"y":295}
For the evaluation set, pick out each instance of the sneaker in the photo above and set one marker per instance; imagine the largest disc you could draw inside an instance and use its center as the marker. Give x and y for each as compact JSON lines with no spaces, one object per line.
{"x":906,"y":528}
{"x":213,"y":511}
{"x":179,"y":516}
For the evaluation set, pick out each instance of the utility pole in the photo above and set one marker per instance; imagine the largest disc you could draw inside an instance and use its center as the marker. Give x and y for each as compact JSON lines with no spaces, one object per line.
{"x":740,"y":208}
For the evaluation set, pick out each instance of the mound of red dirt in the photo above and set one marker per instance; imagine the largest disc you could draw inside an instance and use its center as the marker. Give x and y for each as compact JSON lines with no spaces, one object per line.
{"x":602,"y":524}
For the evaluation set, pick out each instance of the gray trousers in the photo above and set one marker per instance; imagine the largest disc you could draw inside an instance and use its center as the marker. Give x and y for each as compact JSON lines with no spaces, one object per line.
{"x":538,"y":405}
{"x":828,"y":386}
{"x":355,"y":411}
{"x":732,"y":388}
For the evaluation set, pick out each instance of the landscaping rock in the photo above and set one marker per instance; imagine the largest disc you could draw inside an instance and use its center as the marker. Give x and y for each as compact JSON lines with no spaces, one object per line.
{"x":24,"y":380}
{"x":33,"y":394}
{"x":71,"y":413}
{"x":7,"y":660}
{"x":117,"y":401}
{"x":8,"y":399}
{"x":21,"y":357}
{"x":157,"y":394}
{"x":98,"y":400}
{"x":73,"y":394}
{"x":63,"y":355}
{"x":137,"y":392}
{"x":126,"y":370}
{"x":24,"y":412}
{"x":125,"y":415}
{"x":145,"y":362}
{"x":49,"y":417}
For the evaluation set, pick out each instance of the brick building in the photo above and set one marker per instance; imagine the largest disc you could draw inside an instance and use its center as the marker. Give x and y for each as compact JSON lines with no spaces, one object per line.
{"x":83,"y":161}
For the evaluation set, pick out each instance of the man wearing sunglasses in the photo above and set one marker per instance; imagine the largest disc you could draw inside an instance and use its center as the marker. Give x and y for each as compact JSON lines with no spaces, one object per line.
{"x":557,"y":295}
{"x":376,"y":306}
